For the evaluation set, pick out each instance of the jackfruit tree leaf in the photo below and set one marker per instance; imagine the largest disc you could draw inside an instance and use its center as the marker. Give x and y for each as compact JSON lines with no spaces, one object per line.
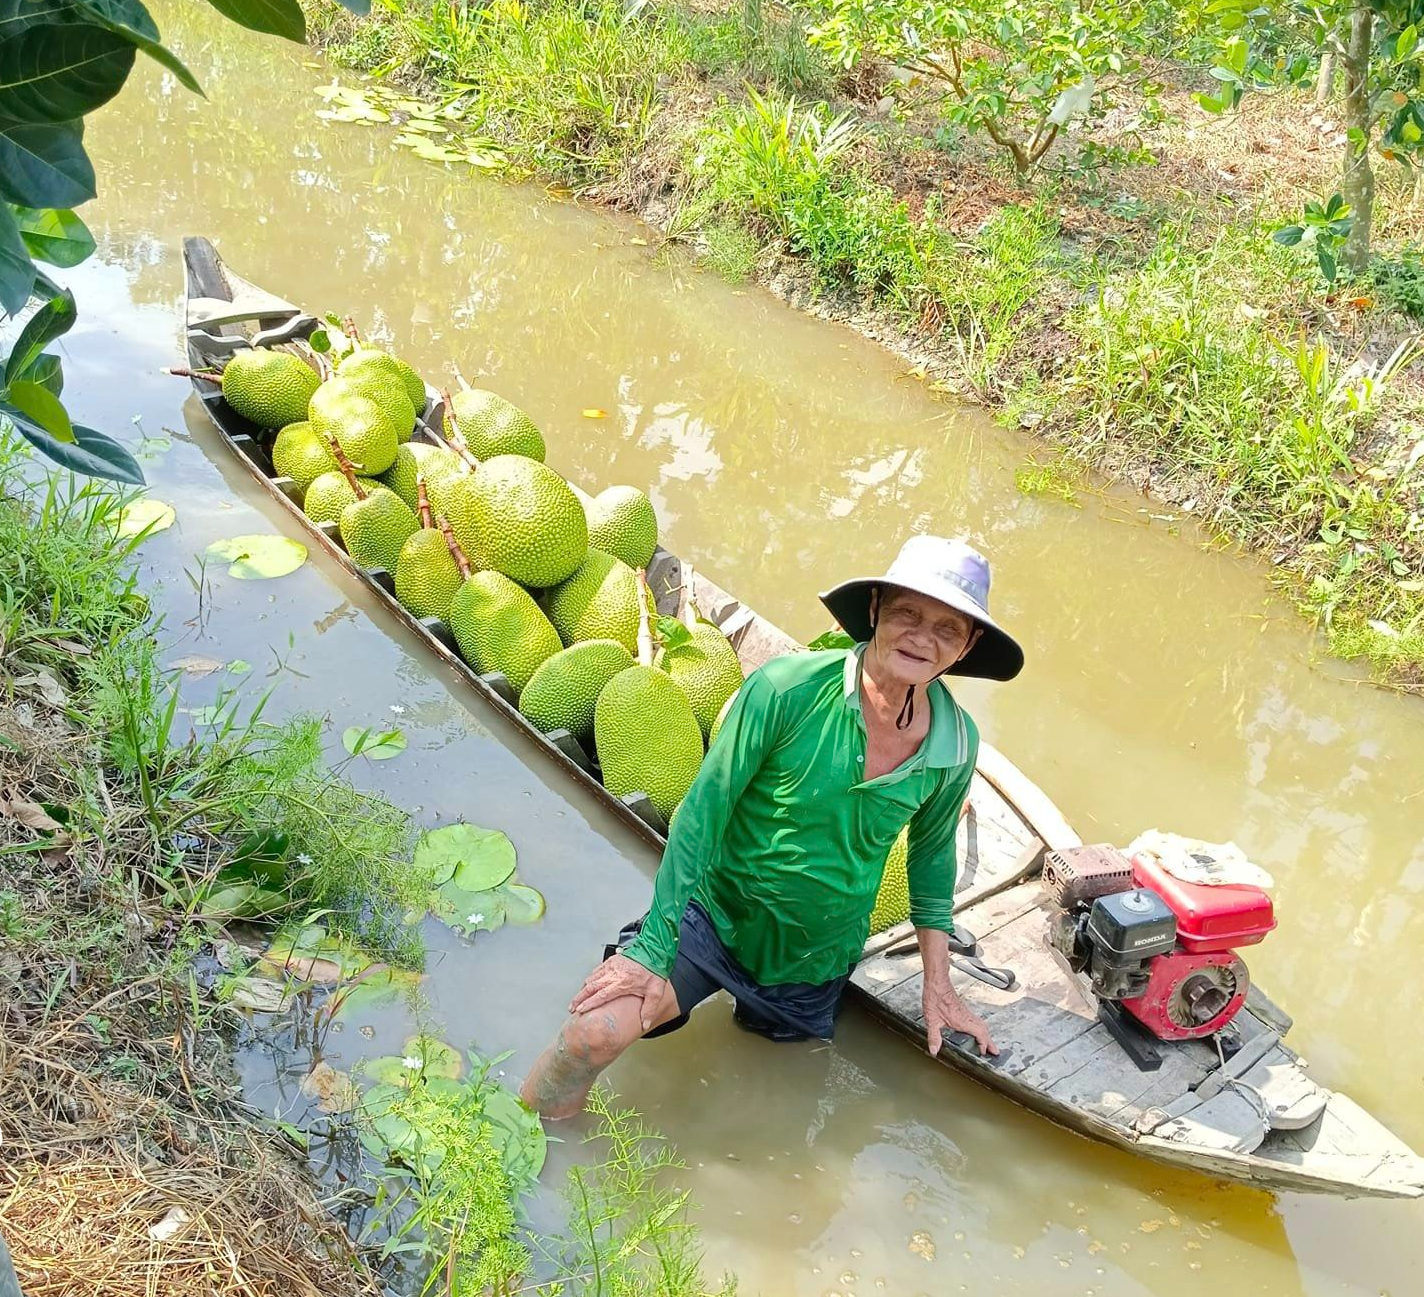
{"x":378,"y":745}
{"x":55,"y":72}
{"x":55,"y":318}
{"x":17,"y":271}
{"x":144,"y":517}
{"x":90,"y":453}
{"x":43,"y":164}
{"x":278,"y":17}
{"x":258,"y":558}
{"x":129,"y":19}
{"x":673,"y":633}
{"x":41,"y":407}
{"x":475,"y":859}
{"x":55,"y":235}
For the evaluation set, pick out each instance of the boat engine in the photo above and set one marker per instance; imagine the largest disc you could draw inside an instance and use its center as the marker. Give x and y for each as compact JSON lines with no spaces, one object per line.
{"x":1161,"y":947}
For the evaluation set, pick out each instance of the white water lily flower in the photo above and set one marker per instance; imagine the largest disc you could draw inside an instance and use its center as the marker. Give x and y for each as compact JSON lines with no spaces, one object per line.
{"x":412,"y":1063}
{"x":398,"y":709}
{"x":304,"y":859}
{"x":475,"y":919}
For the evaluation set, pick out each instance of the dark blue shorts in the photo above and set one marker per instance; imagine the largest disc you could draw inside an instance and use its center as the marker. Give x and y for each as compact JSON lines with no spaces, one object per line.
{"x":704,"y":966}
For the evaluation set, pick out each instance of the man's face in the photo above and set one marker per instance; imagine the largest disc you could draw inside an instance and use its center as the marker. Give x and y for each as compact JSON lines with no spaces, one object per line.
{"x":918,"y":638}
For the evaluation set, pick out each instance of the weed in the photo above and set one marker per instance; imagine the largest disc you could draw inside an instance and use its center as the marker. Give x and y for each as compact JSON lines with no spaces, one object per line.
{"x":731,"y":249}
{"x":1399,"y":280}
{"x":1049,"y":479}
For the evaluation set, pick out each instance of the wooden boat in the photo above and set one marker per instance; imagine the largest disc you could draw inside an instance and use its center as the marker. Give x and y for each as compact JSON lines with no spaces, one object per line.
{"x":1057,"y":1056}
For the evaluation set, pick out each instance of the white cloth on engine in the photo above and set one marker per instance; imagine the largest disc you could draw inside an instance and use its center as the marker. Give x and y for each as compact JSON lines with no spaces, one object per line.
{"x":1194,"y":861}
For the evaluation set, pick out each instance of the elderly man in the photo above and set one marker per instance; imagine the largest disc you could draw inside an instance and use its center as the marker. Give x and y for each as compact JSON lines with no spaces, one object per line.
{"x":772,"y":868}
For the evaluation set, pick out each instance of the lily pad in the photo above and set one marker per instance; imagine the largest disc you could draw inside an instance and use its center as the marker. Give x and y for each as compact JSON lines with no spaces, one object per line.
{"x":378,"y":745}
{"x":522,"y":904}
{"x":144,"y":516}
{"x":376,"y":988}
{"x":465,"y":912}
{"x":308,"y":952}
{"x":518,"y":1135}
{"x":258,"y":558}
{"x":421,"y":1057}
{"x":475,"y":859}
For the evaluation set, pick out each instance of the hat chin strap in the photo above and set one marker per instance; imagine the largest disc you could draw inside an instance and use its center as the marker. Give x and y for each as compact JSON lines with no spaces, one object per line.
{"x":906,"y":718}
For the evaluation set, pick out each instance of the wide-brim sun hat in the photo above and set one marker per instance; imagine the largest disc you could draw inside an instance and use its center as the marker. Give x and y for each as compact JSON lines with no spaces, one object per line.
{"x":955,"y":573}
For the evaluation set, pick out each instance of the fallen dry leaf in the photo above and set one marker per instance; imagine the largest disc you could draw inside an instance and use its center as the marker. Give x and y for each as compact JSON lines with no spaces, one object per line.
{"x":260,"y":995}
{"x":30,"y":814}
{"x":594,"y":413}
{"x":163,"y":1230}
{"x":45,"y":685}
{"x":921,"y":1244}
{"x":334,"y":1091}
{"x":196,"y":666}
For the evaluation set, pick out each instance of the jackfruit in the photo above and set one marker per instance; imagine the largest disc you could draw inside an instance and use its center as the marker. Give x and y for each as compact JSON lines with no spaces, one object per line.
{"x":499,"y":627}
{"x":721,"y":716}
{"x":427,"y":575}
{"x":378,"y":376}
{"x":493,"y":426}
{"x":621,"y":522}
{"x":300,"y":454}
{"x":362,"y":428}
{"x":373,"y":529}
{"x":521,"y":519}
{"x":647,"y":738}
{"x":418,"y":458}
{"x":707,"y":670}
{"x":599,"y":601}
{"x":329,"y":494}
{"x":892,"y":901}
{"x":562,"y":693}
{"x":271,"y":388}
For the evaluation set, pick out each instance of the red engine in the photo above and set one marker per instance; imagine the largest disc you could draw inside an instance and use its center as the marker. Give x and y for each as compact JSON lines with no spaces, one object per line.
{"x":1165,"y":949}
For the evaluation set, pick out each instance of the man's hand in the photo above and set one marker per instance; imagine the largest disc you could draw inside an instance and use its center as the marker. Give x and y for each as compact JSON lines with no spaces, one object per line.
{"x":945,"y":1011}
{"x":617,"y":978}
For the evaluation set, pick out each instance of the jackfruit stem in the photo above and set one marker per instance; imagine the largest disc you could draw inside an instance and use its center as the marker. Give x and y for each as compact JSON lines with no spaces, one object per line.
{"x":689,"y":605}
{"x":645,"y":630}
{"x":461,"y":561}
{"x":348,"y":327}
{"x":454,"y":436}
{"x":460,"y":378}
{"x":348,"y":470}
{"x":210,"y":375}
{"x":423,"y":502}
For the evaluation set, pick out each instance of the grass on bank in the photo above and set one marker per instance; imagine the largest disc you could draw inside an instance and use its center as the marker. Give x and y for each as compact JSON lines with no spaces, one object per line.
{"x":1150,"y":328}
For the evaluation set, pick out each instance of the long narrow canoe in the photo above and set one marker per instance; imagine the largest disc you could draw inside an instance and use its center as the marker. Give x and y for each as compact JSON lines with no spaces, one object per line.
{"x":1200,"y":1108}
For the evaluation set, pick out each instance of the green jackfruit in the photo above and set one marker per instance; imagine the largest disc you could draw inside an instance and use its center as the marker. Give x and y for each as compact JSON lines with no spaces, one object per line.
{"x":499,"y":627}
{"x":361,"y":427}
{"x":329,"y":494}
{"x":721,"y":716}
{"x":599,"y":601}
{"x":374,"y":529}
{"x":647,"y":738}
{"x":493,"y":426}
{"x":427,"y":575}
{"x":521,"y":518}
{"x":378,"y":376}
{"x":299,"y":454}
{"x":892,"y":902}
{"x":414,"y":459}
{"x":621,"y":522}
{"x":562,"y":693}
{"x":707,"y":670}
{"x":271,"y":388}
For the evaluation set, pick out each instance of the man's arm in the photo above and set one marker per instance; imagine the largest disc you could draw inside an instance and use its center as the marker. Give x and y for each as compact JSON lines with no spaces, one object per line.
{"x":932,"y":868}
{"x":747,"y":735}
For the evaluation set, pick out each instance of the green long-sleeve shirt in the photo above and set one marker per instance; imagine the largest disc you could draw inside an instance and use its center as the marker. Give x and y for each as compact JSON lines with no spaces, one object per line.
{"x":783,"y":842}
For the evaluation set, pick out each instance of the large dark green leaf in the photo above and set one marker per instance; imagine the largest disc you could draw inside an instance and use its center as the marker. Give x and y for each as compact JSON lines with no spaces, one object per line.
{"x":55,"y":235}
{"x":43,"y":164}
{"x":132,"y":21}
{"x":55,"y":72}
{"x":54,"y":319}
{"x":280,"y":17}
{"x":90,"y":453}
{"x":48,"y":373}
{"x":17,"y":271}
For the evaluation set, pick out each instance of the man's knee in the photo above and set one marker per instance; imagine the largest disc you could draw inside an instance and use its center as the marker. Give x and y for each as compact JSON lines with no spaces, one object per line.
{"x":594,"y":1039}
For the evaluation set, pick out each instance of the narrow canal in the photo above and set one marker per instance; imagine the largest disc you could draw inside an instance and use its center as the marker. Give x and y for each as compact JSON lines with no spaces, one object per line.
{"x":1166,"y":687}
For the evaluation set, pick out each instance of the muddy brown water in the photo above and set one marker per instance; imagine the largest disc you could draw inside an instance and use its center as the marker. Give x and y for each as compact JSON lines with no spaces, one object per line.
{"x":1166,"y":687}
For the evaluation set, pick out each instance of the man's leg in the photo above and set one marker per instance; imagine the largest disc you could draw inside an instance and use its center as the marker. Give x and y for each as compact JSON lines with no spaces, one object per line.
{"x":558,"y":1084}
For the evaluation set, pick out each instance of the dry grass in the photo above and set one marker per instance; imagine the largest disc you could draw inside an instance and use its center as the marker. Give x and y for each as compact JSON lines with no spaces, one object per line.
{"x":117,"y":1107}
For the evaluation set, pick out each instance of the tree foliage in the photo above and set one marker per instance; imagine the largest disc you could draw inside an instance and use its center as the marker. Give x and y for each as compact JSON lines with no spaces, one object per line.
{"x":60,"y":60}
{"x":1017,"y":72}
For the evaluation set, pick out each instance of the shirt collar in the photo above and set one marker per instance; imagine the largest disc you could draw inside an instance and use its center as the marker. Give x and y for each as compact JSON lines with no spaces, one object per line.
{"x":947,"y":743}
